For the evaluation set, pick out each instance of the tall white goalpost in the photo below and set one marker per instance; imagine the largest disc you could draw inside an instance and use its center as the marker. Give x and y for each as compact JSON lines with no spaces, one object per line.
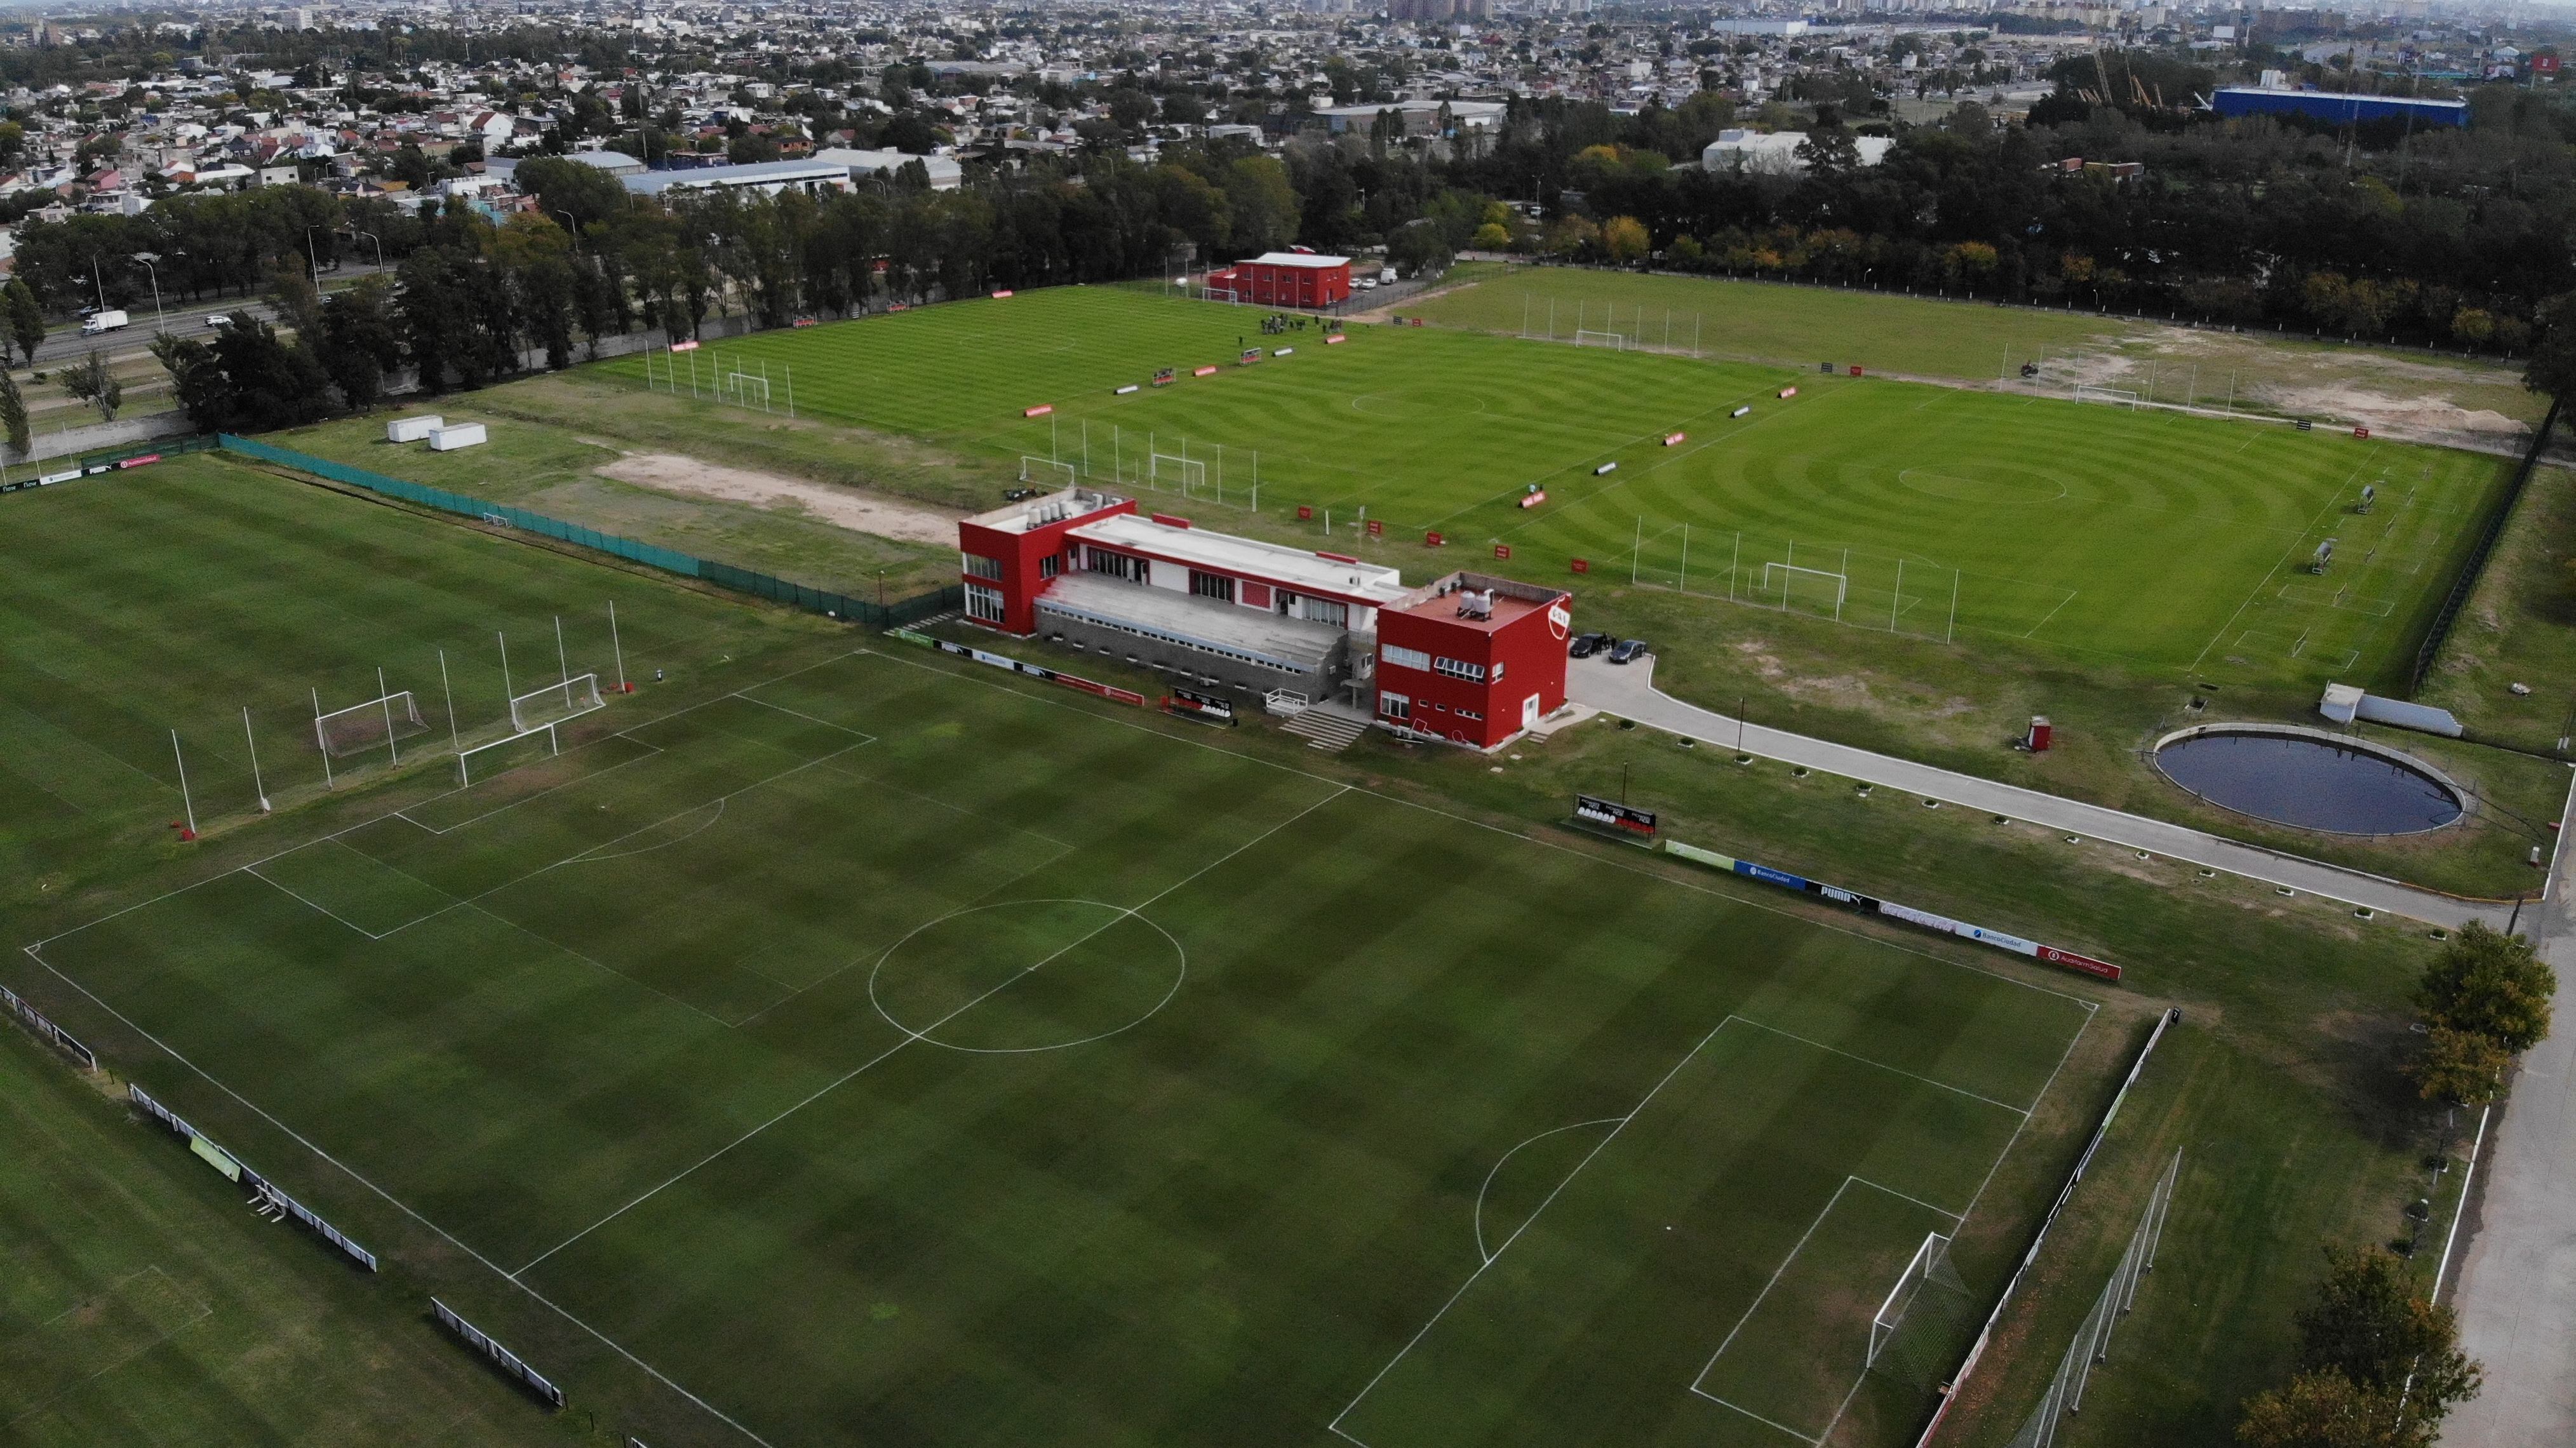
{"x":544,"y":708}
{"x":2116,"y":396}
{"x":379,"y":723}
{"x":1614,"y":340}
{"x":1186,"y":471}
{"x":1790,"y":573}
{"x":1928,"y":1259}
{"x":1046,"y":470}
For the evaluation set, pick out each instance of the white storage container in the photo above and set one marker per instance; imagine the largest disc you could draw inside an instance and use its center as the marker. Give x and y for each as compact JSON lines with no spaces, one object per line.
{"x":449,"y":439}
{"x":412,"y":429}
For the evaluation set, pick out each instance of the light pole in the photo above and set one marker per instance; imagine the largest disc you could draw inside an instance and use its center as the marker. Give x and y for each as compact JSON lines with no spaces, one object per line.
{"x":312,"y":259}
{"x":378,"y":240}
{"x":160,"y":319}
{"x":571,"y":227}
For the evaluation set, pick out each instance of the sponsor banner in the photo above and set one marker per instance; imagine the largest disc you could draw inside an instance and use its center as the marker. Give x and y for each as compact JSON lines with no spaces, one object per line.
{"x":1334,"y":339}
{"x":2085,"y":963}
{"x":2101,"y":969}
{"x":1004,"y":292}
{"x":1855,"y":371}
{"x":1207,"y":371}
{"x":1788,"y":392}
{"x":1035,"y":671}
{"x":1740,"y":412}
{"x":216,"y":1157}
{"x":156,"y":457}
{"x":1771,"y":876}
{"x":1697,"y":855}
{"x":2361,"y":432}
{"x":1618,"y":816}
{"x":908,"y":636}
{"x":1533,"y":499}
{"x":510,"y":1362}
{"x":49,"y":479}
{"x":690,"y":345}
{"x":1041,"y":410}
{"x":1204,"y":706}
{"x":1376,"y":528}
{"x":1605,"y":468}
{"x":1503,"y":550}
{"x":1676,"y":439}
{"x":37,"y":1022}
{"x":1433,"y":540}
{"x":1583,"y":565}
{"x":1130,"y":387}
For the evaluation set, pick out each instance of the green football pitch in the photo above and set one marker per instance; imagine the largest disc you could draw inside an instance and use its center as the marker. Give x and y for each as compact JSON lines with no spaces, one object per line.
{"x":875,"y":1051}
{"x":2159,"y":540}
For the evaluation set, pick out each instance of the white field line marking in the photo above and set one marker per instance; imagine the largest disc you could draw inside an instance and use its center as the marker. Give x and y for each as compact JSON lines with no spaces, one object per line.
{"x":1591,"y":460}
{"x":397,"y":1203}
{"x":2015,"y":1138}
{"x":253,"y":872}
{"x":1608,"y":1137}
{"x":1507,"y":1156}
{"x":2332,"y":501}
{"x":1758,"y":1418}
{"x":748,"y":698}
{"x":2052,"y":613}
{"x":471,"y":820}
{"x":203,"y":1312}
{"x":603,"y":968}
{"x":1749,"y":900}
{"x":911,"y":1036}
{"x":2023,"y":1111}
{"x":587,"y":857}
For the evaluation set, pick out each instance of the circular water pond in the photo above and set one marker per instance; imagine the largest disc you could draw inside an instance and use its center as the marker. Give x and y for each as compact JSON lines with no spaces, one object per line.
{"x":2309,"y":779}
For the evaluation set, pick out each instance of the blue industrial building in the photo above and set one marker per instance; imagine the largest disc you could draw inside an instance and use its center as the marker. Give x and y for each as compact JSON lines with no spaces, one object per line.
{"x":2335,"y":106}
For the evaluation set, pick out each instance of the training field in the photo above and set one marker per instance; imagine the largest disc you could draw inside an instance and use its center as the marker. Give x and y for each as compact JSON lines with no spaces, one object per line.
{"x":876,"y":1052}
{"x":2154,"y":539}
{"x":880,"y":1053}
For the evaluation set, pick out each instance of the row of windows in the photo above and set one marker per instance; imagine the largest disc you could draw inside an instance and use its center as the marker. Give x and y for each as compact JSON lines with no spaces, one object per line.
{"x":1404,"y":658}
{"x":1212,"y":585}
{"x":1163,"y":638}
{"x":979,"y":566}
{"x":983,"y":603}
{"x":1460,"y":669}
{"x":1400,"y":706}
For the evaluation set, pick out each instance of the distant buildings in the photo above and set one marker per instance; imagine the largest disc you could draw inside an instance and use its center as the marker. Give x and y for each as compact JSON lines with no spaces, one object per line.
{"x":1775,"y":153}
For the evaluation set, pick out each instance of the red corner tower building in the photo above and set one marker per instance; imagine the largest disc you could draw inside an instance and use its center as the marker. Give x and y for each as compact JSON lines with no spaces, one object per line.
{"x":1473,"y":659}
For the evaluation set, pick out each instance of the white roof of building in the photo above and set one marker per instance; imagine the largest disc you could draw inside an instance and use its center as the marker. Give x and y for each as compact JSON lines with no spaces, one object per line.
{"x":770,"y":174}
{"x":1292,"y":568}
{"x":1298,"y":258}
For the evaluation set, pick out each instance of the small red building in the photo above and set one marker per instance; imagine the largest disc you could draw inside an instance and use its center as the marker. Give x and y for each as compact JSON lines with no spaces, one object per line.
{"x":1472,"y":658}
{"x":1009,"y":556}
{"x":1297,"y":278}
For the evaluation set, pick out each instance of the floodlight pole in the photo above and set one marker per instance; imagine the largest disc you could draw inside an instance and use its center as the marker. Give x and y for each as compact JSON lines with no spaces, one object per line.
{"x":184,"y":800}
{"x":385,"y":701}
{"x":790,"y":368}
{"x":1636,"y":548}
{"x":1685,"y":583}
{"x":562,"y":662}
{"x":508,"y":691}
{"x":256,"y":785}
{"x":1256,"y":480}
{"x":618,"y":648}
{"x":1897,"y":602}
{"x":321,"y":743}
{"x":1953,"y":630}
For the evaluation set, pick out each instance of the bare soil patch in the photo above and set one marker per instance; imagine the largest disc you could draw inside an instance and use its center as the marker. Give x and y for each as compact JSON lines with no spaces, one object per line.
{"x":858,"y":512}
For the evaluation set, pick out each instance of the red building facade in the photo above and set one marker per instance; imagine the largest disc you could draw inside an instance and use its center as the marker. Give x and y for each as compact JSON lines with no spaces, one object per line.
{"x":1284,"y":279}
{"x":1008,"y":557}
{"x":1472,"y":658}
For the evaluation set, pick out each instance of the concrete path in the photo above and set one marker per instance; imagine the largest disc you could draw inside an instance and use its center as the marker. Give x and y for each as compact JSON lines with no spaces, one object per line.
{"x":2516,"y":1290}
{"x":1629,"y":692}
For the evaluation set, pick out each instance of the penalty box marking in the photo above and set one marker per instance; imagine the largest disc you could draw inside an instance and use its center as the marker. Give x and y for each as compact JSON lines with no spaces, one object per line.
{"x":1624,"y":1121}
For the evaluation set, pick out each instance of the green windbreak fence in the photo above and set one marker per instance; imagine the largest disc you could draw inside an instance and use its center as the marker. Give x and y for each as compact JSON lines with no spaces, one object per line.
{"x":723,"y":575}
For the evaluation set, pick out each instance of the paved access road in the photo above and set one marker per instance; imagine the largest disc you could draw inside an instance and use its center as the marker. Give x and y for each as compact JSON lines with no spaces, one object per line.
{"x":1629,"y":692}
{"x":2516,"y":1291}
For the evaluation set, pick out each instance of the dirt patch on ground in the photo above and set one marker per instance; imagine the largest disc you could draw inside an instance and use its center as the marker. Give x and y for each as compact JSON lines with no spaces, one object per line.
{"x":858,"y":512}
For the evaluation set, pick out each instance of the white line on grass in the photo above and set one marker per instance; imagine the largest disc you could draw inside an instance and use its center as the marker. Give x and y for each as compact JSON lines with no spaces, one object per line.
{"x":2259,"y":584}
{"x":1507,"y":1156}
{"x":600,"y":966}
{"x":2052,"y":613}
{"x":1750,"y":900}
{"x":911,"y":1036}
{"x":398,"y":1203}
{"x":253,"y":872}
{"x":1883,"y":1066}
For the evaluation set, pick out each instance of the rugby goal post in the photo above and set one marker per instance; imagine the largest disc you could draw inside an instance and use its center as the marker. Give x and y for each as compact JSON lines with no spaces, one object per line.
{"x":544,"y":708}
{"x":1928,"y":1259}
{"x":1162,"y":465}
{"x":376,"y":724}
{"x":1791,"y":573}
{"x":2116,"y":396}
{"x":465,"y":757}
{"x":1046,"y":470}
{"x":1616,"y":341}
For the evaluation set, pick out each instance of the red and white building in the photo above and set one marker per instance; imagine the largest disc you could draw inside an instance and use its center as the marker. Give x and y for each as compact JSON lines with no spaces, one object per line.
{"x":1473,"y":659}
{"x":1298,"y":278}
{"x":1469,"y":659}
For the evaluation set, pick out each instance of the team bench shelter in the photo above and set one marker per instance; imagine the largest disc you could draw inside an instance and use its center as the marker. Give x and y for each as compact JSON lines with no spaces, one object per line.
{"x":1471,"y":659}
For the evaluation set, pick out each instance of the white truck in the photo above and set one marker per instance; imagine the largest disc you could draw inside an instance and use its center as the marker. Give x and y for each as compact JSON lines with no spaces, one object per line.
{"x":104,"y":322}
{"x":1385,"y":275}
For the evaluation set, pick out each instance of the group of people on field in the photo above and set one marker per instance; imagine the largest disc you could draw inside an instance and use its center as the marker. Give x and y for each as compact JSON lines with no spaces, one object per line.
{"x":1278,"y":323}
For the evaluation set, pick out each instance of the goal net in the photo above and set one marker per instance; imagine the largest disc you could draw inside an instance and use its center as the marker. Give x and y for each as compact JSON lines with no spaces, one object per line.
{"x":744,"y":387}
{"x":2084,"y":392}
{"x":1821,"y":588}
{"x":1929,"y":1259}
{"x":506,"y":754}
{"x":1613,"y":340}
{"x":1180,"y":472}
{"x":1046,"y":470}
{"x":375,"y":724}
{"x":554,"y":703}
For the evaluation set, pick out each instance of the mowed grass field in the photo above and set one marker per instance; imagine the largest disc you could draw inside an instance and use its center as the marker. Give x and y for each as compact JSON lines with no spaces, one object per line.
{"x":869,"y":1050}
{"x":2164,"y":542}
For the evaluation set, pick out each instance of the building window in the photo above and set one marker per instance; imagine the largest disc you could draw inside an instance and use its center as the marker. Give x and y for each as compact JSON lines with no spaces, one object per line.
{"x":1395,"y":706}
{"x":1476,"y":714}
{"x":1051,"y":565}
{"x":979,"y":566}
{"x":1404,"y":658}
{"x":1116,"y":565}
{"x":1212,"y":585}
{"x":1325,"y":610}
{"x":1498,"y":671}
{"x":983,"y":603}
{"x":1458,"y":669}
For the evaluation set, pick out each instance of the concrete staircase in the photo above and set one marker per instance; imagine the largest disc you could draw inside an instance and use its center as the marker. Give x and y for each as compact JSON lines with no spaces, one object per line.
{"x":1329,"y":727}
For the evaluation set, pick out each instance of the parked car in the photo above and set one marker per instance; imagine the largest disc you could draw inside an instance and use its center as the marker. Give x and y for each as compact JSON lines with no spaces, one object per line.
{"x":1586,"y":645}
{"x":1628,"y":651}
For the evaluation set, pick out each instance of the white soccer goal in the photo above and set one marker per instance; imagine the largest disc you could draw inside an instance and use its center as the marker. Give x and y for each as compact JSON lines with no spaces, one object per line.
{"x":742,"y":386}
{"x":1616,"y":341}
{"x":1928,"y":1259}
{"x":465,"y":758}
{"x":1046,"y":470}
{"x":2085,"y":392}
{"x":1806,"y":583}
{"x":375,"y":724}
{"x":1180,"y":470}
{"x":544,"y":708}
